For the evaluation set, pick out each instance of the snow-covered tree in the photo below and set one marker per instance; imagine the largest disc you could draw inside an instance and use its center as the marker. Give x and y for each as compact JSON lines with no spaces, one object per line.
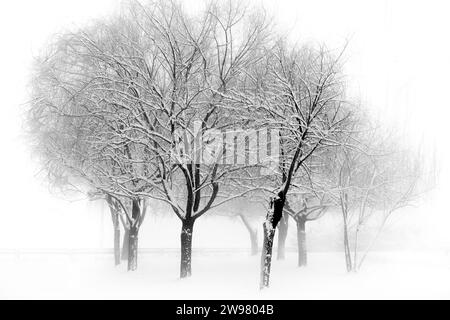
{"x":86,"y":99}
{"x":200,"y":58}
{"x":300,"y":93}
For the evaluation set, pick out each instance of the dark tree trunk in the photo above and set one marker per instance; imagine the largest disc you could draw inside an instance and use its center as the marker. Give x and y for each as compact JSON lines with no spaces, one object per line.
{"x":301,"y":240}
{"x":253,"y":235}
{"x":126,"y":243}
{"x":283,"y":228}
{"x":186,"y":249}
{"x":274,"y":216}
{"x":266,"y":258}
{"x":133,"y":249}
{"x":137,"y":210}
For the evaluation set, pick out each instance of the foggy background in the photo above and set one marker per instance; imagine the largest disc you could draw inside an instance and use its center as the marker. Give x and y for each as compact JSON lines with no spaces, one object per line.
{"x":398,"y":62}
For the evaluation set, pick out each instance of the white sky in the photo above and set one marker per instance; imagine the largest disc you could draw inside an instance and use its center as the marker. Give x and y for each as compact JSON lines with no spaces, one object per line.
{"x":398,"y":62}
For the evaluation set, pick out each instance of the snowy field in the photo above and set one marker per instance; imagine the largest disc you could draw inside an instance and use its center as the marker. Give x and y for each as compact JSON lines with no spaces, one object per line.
{"x":222,"y":274}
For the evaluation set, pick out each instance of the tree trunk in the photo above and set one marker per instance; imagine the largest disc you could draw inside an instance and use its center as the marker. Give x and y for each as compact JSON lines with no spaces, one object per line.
{"x":254,"y":243}
{"x":186,"y":249}
{"x":137,"y":215}
{"x":274,"y":216}
{"x":253,"y":235}
{"x":116,"y":227}
{"x":126,"y":243}
{"x":133,"y":249}
{"x":283,"y":228}
{"x":347,"y":249}
{"x":117,"y":245}
{"x":266,"y":258}
{"x":301,"y":239}
{"x":348,"y":255}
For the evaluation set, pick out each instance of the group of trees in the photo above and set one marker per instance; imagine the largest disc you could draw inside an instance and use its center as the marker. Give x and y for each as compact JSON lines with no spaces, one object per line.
{"x":157,"y":105}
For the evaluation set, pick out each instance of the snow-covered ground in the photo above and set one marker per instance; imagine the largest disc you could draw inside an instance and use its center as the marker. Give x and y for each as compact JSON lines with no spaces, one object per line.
{"x":223,"y":274}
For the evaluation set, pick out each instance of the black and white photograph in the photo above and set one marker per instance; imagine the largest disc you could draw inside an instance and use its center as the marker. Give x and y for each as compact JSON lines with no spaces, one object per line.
{"x":226,"y":150}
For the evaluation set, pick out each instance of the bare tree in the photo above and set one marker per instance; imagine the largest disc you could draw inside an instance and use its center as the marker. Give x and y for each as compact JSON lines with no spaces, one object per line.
{"x":83,"y":106}
{"x":182,"y":69}
{"x":306,"y":209}
{"x":370,"y":176}
{"x":140,"y":106}
{"x":312,"y":103}
{"x":298,"y":92}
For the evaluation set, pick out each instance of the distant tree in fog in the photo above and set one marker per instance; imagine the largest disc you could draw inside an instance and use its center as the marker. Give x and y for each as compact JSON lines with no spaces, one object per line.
{"x":302,"y":209}
{"x":373,"y":177}
{"x":247,"y":209}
